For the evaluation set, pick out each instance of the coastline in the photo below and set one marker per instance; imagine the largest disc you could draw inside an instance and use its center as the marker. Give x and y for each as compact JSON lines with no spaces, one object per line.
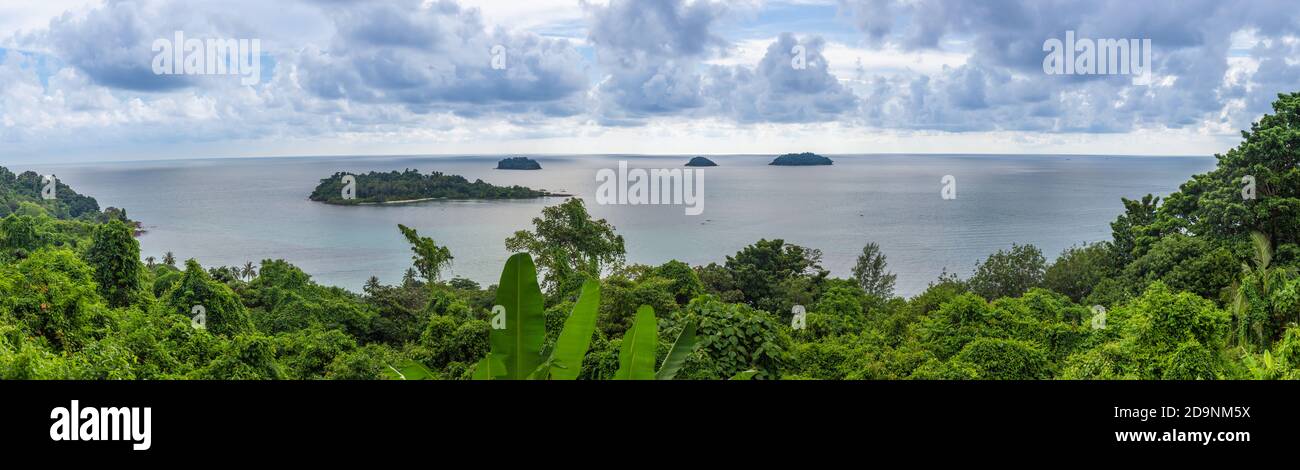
{"x":426,"y":199}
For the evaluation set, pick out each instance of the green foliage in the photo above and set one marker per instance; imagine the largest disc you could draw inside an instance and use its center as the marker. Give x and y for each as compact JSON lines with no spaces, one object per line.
{"x":1184,"y":263}
{"x":1009,"y":273}
{"x":734,"y":338}
{"x":1002,"y":359}
{"x":52,"y":295}
{"x":26,"y":188}
{"x":518,"y":346}
{"x":429,"y":258}
{"x":774,"y":276}
{"x":1079,"y":269}
{"x":407,"y":185}
{"x":115,"y":256}
{"x":1162,"y":334}
{"x":636,"y":360}
{"x":1212,"y":204}
{"x":870,"y":272}
{"x":575,"y":337}
{"x":224,"y":312}
{"x":570,"y":246}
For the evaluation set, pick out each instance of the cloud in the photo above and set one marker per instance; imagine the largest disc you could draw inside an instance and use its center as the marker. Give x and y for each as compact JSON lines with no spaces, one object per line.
{"x":650,"y":51}
{"x":439,"y":57}
{"x":1191,"y":42}
{"x":784,"y":87}
{"x":656,"y":55}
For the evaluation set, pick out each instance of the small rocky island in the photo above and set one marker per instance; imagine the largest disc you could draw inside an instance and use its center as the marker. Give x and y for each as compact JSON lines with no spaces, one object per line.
{"x":518,"y":163}
{"x":412,"y":186}
{"x":801,"y":159}
{"x":701,"y":161}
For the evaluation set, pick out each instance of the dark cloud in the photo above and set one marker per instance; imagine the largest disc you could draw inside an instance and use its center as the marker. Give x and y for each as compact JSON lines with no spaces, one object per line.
{"x":653,"y":52}
{"x":439,"y":58}
{"x":112,"y":45}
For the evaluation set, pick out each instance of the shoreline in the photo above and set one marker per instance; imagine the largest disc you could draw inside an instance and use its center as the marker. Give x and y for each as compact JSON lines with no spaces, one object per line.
{"x":426,"y":199}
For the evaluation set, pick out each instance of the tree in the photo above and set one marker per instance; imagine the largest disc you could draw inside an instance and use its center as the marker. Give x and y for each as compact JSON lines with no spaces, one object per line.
{"x":1009,"y":273}
{"x":1129,"y":229}
{"x":52,"y":295}
{"x":770,"y":272}
{"x":429,"y":258}
{"x":1160,"y":335}
{"x":1079,"y":269}
{"x":1259,"y":315}
{"x":870,"y":272}
{"x":569,"y":246}
{"x":248,"y":271}
{"x":19,"y":236}
{"x":224,"y":313}
{"x":1218,"y":204}
{"x":169,"y":259}
{"x":150,"y":262}
{"x":115,"y":255}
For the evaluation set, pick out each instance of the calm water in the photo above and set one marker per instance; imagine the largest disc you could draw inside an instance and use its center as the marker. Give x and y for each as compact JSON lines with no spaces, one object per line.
{"x":228,"y":211}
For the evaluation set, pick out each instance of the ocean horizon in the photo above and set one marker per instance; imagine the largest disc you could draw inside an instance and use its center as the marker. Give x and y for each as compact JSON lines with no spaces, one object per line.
{"x":227,"y":211}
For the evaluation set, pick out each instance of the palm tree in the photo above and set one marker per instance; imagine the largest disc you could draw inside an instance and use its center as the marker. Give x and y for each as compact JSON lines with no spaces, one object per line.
{"x":150,"y":262}
{"x":169,"y":259}
{"x":1252,"y":299}
{"x":248,"y":272}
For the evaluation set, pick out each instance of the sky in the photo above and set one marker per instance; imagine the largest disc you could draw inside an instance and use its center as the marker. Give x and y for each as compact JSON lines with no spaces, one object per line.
{"x":78,"y":80}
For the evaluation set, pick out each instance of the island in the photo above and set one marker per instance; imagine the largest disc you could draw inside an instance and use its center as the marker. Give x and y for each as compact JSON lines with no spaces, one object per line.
{"x":518,"y":163}
{"x":410,"y":185}
{"x":801,"y":159}
{"x":701,"y":161}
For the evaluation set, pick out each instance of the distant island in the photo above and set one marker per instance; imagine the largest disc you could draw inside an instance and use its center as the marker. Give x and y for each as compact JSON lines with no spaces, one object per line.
{"x":801,"y":159}
{"x":518,"y":163}
{"x":701,"y":161}
{"x":411,"y":186}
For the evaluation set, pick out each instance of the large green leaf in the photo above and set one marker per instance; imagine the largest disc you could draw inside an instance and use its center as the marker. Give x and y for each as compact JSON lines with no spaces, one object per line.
{"x":575,"y":338}
{"x":408,"y":370}
{"x":636,"y":361}
{"x":682,"y":348}
{"x":487,"y":368}
{"x":518,"y":346}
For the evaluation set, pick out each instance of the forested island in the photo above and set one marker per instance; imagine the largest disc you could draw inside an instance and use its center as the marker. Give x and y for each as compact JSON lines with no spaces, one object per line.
{"x":518,"y":163}
{"x":1201,"y":285}
{"x":412,"y":186}
{"x":800,"y":159}
{"x":701,"y":161}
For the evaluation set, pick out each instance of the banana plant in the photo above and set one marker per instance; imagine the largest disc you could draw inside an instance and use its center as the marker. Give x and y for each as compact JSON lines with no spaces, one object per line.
{"x":408,"y":370}
{"x":516,"y":339}
{"x":636,"y":359}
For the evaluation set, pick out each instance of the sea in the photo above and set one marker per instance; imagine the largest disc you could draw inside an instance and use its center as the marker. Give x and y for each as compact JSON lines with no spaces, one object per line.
{"x":228,"y":211}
